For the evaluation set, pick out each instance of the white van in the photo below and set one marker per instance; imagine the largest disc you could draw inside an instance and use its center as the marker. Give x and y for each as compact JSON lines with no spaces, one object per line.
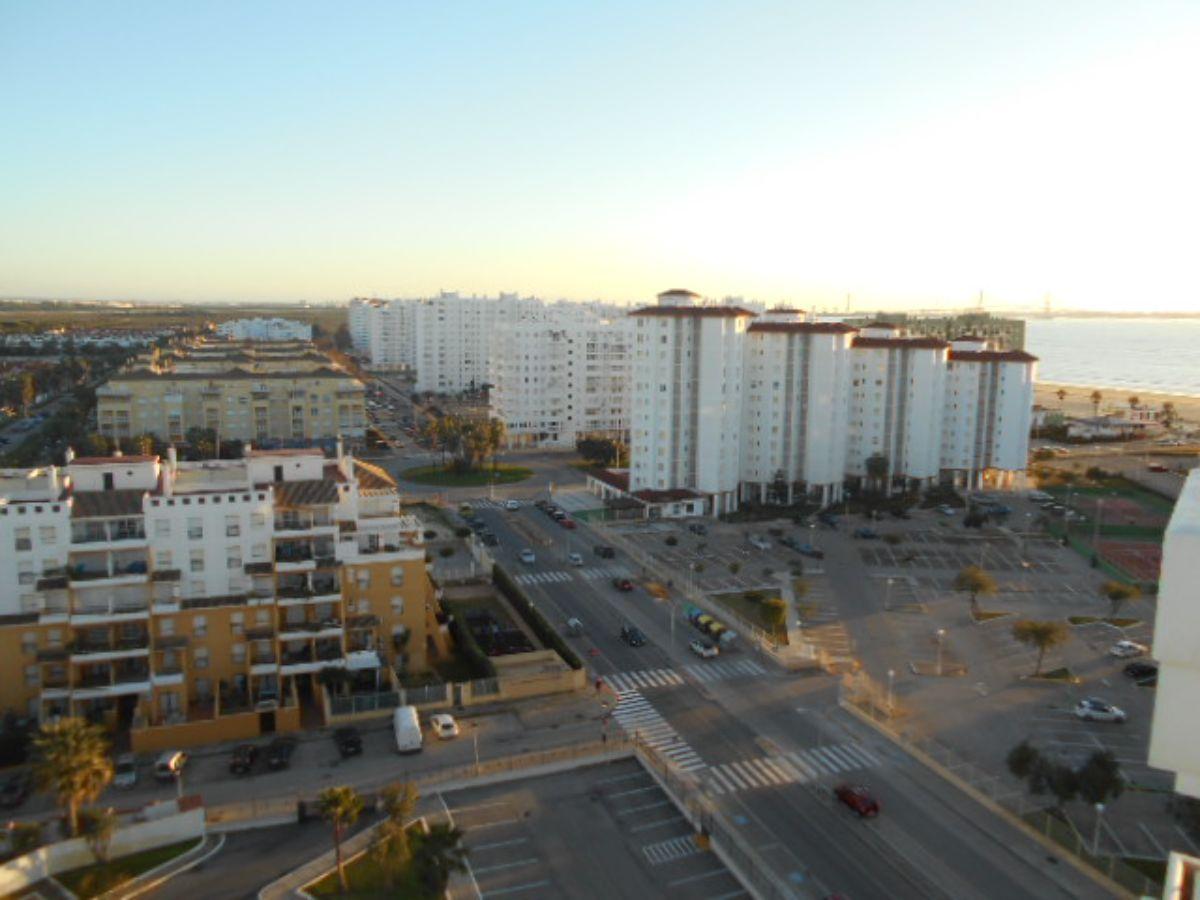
{"x":408,"y":729}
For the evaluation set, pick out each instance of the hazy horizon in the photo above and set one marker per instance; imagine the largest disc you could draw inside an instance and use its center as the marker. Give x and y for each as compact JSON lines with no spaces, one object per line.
{"x":910,"y":156}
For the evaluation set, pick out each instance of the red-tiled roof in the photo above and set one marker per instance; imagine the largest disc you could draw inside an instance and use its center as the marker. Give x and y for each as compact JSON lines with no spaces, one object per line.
{"x":730,"y":311}
{"x":110,"y":460}
{"x":619,"y":480}
{"x":802,"y":327}
{"x":920,"y":343}
{"x":1019,"y":356}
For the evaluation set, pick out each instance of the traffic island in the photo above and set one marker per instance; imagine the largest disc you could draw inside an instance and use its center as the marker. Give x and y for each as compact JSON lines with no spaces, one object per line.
{"x":947,"y":669}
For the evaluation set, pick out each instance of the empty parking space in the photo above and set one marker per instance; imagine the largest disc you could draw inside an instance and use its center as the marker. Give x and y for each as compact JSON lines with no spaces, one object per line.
{"x":603,"y":831}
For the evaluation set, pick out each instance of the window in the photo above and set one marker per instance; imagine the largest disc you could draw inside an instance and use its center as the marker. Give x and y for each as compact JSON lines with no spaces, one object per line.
{"x":258,"y":520}
{"x":23,"y":539}
{"x":236,"y":623}
{"x":200,"y":657}
{"x":31,"y":675}
{"x":29,"y":642}
{"x":233,"y":527}
{"x":48,"y":534}
{"x":166,"y":627}
{"x":363,"y":576}
{"x":197,"y":560}
{"x":200,"y":626}
{"x":162,"y":559}
{"x":258,"y":551}
{"x":397,"y":606}
{"x":26,"y":574}
{"x":195,"y":529}
{"x":262,"y":617}
{"x":162,"y":527}
{"x":397,"y":576}
{"x":233,"y":558}
{"x":238,"y":653}
{"x":203,"y":688}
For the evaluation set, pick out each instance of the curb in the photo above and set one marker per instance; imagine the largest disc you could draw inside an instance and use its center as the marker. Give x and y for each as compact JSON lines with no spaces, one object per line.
{"x":147,"y":882}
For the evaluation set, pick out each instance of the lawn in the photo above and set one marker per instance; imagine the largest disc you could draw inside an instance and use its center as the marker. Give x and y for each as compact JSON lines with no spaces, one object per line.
{"x":1060,"y":674}
{"x":751,"y":610}
{"x":91,"y":881}
{"x":443,"y":477}
{"x":367,"y":882}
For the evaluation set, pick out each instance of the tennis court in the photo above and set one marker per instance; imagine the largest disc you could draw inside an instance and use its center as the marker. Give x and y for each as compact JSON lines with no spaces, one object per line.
{"x":1141,"y":559}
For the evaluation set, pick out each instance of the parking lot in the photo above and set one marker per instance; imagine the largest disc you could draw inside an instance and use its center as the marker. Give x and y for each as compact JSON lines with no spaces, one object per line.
{"x":604,"y":831}
{"x":954,"y":550}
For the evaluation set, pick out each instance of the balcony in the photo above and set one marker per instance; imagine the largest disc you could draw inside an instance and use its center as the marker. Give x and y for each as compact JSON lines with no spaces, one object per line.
{"x":260,"y":633}
{"x":295,"y":631}
{"x":171,"y":641}
{"x":113,"y":611}
{"x":167,"y":675}
{"x":128,"y":532}
{"x":86,"y":651}
{"x":116,"y":574}
{"x":52,"y":654}
{"x":296,"y":525}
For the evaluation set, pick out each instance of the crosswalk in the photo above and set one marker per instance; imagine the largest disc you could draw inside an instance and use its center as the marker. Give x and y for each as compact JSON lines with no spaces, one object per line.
{"x":641,"y":721}
{"x":671,"y":850}
{"x":722,"y":669}
{"x":588,"y":573}
{"x":787,"y":768}
{"x":543,"y":577}
{"x":646,"y":678}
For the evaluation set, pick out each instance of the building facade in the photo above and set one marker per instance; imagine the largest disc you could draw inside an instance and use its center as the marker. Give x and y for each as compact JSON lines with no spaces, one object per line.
{"x":385,"y":332}
{"x":454,"y":338}
{"x":263,"y":329}
{"x":192,"y":602}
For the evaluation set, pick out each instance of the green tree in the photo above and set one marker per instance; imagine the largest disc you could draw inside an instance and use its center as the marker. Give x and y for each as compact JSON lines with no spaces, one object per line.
{"x":877,"y":469}
{"x":1061,"y":395}
{"x":1042,"y":636}
{"x":975,"y":581}
{"x":734,"y":568}
{"x":1134,"y":400}
{"x":73,"y":764}
{"x":774,"y":613}
{"x":1169,"y":415}
{"x":24,"y":837}
{"x":341,"y":338}
{"x":28,"y":393}
{"x":397,"y":802}
{"x":99,"y":826}
{"x":97,"y":444}
{"x":1096,"y":398}
{"x":1117,"y":593}
{"x":340,"y":807}
{"x":1100,"y":778}
{"x":1022,"y":759}
{"x":438,"y":853}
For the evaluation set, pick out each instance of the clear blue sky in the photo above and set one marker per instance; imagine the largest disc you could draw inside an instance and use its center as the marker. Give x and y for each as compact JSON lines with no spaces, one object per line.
{"x":901,"y":152}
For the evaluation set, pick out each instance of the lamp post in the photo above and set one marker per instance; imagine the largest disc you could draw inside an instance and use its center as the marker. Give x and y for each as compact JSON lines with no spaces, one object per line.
{"x":891,"y":685}
{"x":475,"y":744}
{"x":941,"y":634}
{"x":1096,"y":835}
{"x":887,"y":596}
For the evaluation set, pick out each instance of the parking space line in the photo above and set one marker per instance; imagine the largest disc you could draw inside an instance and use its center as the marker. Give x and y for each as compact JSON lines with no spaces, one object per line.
{"x":656,"y":824}
{"x":497,"y":844}
{"x":641,"y":790}
{"x":520,"y":887}
{"x":459,"y":809}
{"x":509,"y":865}
{"x":700,"y":877}
{"x":634,"y":809}
{"x":492,"y":824}
{"x":617,"y":778}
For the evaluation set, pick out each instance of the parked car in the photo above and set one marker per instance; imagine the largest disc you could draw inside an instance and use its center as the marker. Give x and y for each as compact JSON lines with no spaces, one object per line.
{"x":758,"y":541}
{"x":16,"y":790}
{"x":348,"y":741}
{"x":125,"y":773}
{"x":828,"y":519}
{"x":512,"y":504}
{"x":622,"y":584}
{"x":1140,"y":670}
{"x":703,"y":649}
{"x":170,"y":764}
{"x":858,"y":798}
{"x":810,"y":551}
{"x":444,"y":726}
{"x":605,"y":552}
{"x":1093,"y":709}
{"x":566,"y":523}
{"x":947,"y":510}
{"x":279,"y":753}
{"x":243,"y":758}
{"x":698,"y":528}
{"x":527,"y":557}
{"x":1126,"y":649}
{"x":866,"y":534}
{"x":574,"y":627}
{"x":632,"y":636}
{"x":575,"y":559}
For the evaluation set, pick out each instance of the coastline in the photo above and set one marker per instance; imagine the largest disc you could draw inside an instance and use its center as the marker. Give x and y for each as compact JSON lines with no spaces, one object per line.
{"x":1077,"y":402}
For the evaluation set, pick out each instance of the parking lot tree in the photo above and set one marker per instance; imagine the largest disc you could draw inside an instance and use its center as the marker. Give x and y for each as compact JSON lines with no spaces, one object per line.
{"x":1061,"y":395}
{"x":340,"y":807}
{"x":1063,"y":782}
{"x":671,"y":540}
{"x":893,"y":539}
{"x":1168,"y":416}
{"x":1022,"y":758}
{"x":73,"y":763}
{"x":1041,"y":636}
{"x":438,"y":853}
{"x":1100,"y":778}
{"x":1096,"y":398}
{"x":1117,"y":593}
{"x":603,"y":451}
{"x":975,"y":581}
{"x":392,"y":850}
{"x":99,"y":826}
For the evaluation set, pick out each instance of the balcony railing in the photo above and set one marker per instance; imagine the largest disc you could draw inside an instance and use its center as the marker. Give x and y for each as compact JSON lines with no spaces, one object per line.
{"x":85,"y":647}
{"x":262,"y":659}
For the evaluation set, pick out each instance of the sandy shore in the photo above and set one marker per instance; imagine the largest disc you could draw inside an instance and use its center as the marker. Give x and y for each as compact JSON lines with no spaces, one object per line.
{"x":1078,"y":403}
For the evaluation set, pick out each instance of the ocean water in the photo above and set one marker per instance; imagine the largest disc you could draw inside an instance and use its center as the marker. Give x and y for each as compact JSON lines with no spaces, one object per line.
{"x":1122,"y":354}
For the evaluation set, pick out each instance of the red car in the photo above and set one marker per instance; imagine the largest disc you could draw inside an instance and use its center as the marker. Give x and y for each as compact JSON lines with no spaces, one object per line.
{"x":623,"y":584}
{"x":858,"y":798}
{"x":569,"y":524}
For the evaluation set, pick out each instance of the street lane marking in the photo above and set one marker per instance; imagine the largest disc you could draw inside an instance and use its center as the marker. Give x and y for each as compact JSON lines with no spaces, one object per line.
{"x":658,"y":824}
{"x":641,"y":790}
{"x":478,"y":847}
{"x":512,"y":890}
{"x":633,"y":809}
{"x":700,"y":877}
{"x":511,"y":865}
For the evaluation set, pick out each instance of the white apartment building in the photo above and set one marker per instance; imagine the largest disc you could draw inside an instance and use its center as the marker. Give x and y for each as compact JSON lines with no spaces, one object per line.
{"x":795,"y":406}
{"x":686,"y":415}
{"x":1175,"y":730}
{"x":454,"y":338}
{"x":385,"y":332}
{"x":987,"y":413}
{"x":263,"y":329}
{"x":559,"y":378}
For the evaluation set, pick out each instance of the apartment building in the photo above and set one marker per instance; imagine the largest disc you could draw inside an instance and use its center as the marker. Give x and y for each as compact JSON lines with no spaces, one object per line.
{"x":262,"y":406}
{"x":454,"y":338}
{"x":265,"y":329}
{"x":197,"y":601}
{"x":560,"y":378}
{"x":385,"y":331}
{"x":1175,"y":729}
{"x":686,"y":413}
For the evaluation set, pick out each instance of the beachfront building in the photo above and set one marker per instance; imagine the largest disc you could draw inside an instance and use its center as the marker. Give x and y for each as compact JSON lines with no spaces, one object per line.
{"x":454,"y":338}
{"x":189,"y":602}
{"x":264,"y":329}
{"x":384,"y":331}
{"x":1175,"y":730}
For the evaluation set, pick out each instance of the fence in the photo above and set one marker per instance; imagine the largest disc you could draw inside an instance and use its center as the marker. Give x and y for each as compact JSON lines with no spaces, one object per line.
{"x":860,"y":695}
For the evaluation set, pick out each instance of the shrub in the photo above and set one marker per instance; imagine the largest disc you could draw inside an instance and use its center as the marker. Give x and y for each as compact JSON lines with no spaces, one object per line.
{"x":671,"y":540}
{"x":775,"y":613}
{"x":755,"y":596}
{"x":477,"y":661}
{"x":445,"y":551}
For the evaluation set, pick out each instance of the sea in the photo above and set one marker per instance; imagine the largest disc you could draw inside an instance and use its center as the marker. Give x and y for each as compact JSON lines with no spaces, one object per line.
{"x":1160,"y":355}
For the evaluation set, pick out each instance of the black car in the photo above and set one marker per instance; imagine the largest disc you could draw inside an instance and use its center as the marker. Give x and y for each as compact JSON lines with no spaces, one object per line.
{"x":632,"y":636}
{"x":605,"y":552}
{"x":349,"y":742}
{"x":697,"y":528}
{"x":279,"y":753}
{"x":242,"y":760}
{"x":1144,"y":673}
{"x":16,"y":790}
{"x":489,"y":539}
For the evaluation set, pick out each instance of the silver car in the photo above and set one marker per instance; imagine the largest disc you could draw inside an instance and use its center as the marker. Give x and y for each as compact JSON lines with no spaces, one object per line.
{"x":1092,"y":709}
{"x":125,"y":773}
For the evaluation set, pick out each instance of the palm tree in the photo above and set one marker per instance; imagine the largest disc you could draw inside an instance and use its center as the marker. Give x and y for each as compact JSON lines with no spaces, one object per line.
{"x":340,"y":807}
{"x":99,"y":826}
{"x":397,"y":802}
{"x":1061,"y":394}
{"x":1041,"y":635}
{"x":1134,"y":400}
{"x":975,"y":581}
{"x":73,"y":764}
{"x":1117,"y":593}
{"x":1096,"y":397}
{"x":1168,"y":416}
{"x":439,"y":853}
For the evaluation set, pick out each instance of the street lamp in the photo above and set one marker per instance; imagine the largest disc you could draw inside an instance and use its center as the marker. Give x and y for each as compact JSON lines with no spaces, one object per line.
{"x":1096,"y":836}
{"x":891,"y":685}
{"x":941,"y":634}
{"x":475,"y":743}
{"x":887,"y":597}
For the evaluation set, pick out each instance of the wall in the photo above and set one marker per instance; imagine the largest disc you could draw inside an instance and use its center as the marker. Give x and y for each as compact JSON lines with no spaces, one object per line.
{"x":64,"y":856}
{"x":237,"y":727}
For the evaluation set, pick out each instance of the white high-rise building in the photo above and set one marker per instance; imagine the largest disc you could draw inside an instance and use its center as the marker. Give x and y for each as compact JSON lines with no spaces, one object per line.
{"x":385,"y":331}
{"x":795,"y":406}
{"x":686,"y":417}
{"x":454,"y":338}
{"x":274,"y":329}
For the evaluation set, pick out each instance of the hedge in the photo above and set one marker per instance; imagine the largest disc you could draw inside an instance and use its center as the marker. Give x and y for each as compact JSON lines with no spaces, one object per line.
{"x":479,"y":662}
{"x":545,"y":632}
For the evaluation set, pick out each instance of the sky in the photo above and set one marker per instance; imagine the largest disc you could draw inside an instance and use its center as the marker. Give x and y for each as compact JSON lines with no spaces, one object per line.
{"x":897,"y":154}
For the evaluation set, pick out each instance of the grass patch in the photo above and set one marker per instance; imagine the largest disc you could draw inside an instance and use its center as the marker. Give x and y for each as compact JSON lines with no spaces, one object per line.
{"x":91,"y":881}
{"x":752,"y":610}
{"x":1060,"y":674}
{"x":443,"y":477}
{"x":987,"y":615}
{"x":367,"y":882}
{"x":1092,"y":620}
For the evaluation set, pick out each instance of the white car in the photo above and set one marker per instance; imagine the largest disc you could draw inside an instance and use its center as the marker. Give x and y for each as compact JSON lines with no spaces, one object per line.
{"x":1126,"y":649}
{"x":575,"y":559}
{"x":527,"y":557}
{"x":757,"y":540}
{"x":704,"y":649}
{"x":512,"y":504}
{"x":1092,"y":709}
{"x":946,"y":510}
{"x":443,"y":726}
{"x":125,"y":773}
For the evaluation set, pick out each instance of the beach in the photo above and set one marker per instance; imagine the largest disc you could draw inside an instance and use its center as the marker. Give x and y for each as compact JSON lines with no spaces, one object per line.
{"x":1078,"y":402}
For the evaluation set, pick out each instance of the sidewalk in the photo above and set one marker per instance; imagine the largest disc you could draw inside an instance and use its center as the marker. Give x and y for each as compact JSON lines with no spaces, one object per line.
{"x":208,"y":847}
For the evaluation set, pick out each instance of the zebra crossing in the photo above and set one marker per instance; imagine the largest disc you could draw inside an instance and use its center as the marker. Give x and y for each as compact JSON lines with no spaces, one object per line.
{"x":721,"y":669}
{"x":642,"y":722}
{"x":671,"y":850}
{"x":646,"y":678}
{"x":787,"y":768}
{"x":543,"y":577}
{"x":589,"y":573}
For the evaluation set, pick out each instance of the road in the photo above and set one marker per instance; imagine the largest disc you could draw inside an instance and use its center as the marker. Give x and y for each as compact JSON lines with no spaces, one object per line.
{"x":769,"y":747}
